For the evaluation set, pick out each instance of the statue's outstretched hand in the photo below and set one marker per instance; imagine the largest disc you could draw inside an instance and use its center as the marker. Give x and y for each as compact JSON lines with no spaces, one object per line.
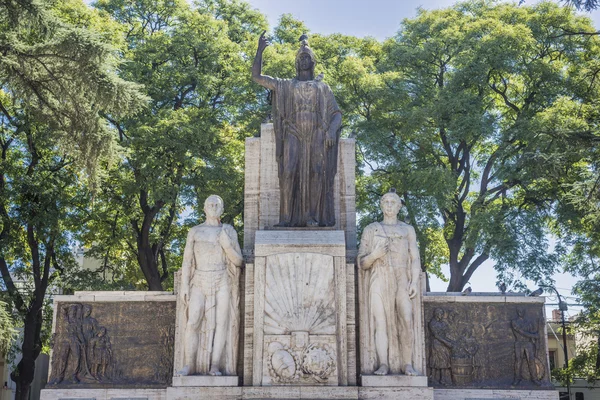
{"x":263,"y":42}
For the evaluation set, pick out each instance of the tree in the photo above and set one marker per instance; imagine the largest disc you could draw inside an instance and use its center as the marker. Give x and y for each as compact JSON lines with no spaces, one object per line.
{"x":57,"y":82}
{"x":476,"y":120}
{"x":7,"y":331}
{"x":578,"y":225}
{"x":188,"y":143}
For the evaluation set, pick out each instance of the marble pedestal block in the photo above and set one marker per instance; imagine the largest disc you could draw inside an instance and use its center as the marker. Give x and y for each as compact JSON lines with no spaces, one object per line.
{"x":297,"y":323}
{"x":393,"y":381}
{"x":205,"y":380}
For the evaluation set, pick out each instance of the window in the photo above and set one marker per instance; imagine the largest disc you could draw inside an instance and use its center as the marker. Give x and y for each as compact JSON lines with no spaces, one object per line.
{"x":552,"y":357}
{"x":579,"y":396}
{"x":563,"y":396}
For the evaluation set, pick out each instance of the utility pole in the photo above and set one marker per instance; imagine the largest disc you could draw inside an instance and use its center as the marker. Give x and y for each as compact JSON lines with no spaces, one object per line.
{"x":562,"y":306}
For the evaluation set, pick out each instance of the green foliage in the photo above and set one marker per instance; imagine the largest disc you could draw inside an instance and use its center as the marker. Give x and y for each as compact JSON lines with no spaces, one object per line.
{"x":58,"y":84}
{"x":59,"y":56}
{"x":475,"y":118}
{"x":188,"y":144}
{"x":7,"y":330}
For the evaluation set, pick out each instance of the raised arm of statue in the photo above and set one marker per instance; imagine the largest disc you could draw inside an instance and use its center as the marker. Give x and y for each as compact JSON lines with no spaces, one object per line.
{"x":415,"y":263}
{"x":186,"y":267}
{"x":257,"y":76}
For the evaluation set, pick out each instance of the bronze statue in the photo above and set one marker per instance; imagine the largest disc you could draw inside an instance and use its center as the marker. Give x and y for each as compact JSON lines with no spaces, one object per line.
{"x":307,"y":123}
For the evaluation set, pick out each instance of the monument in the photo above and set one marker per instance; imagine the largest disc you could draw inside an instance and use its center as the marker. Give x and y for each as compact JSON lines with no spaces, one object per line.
{"x":307,"y":124}
{"x":209,"y":296}
{"x":295,"y":285}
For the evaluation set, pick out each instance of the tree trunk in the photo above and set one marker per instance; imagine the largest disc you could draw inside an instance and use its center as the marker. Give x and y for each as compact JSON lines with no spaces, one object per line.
{"x":455,"y":284}
{"x":149,"y":266}
{"x":30,"y":350}
{"x":456,"y":274}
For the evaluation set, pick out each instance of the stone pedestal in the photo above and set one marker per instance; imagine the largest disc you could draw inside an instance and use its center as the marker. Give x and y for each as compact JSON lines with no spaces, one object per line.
{"x":297,"y":325}
{"x":204,"y":381}
{"x":394,"y":380}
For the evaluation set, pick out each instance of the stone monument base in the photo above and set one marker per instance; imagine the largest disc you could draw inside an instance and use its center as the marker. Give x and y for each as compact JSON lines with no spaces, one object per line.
{"x":492,"y":394}
{"x":204,"y":380}
{"x":103,"y":394}
{"x":393,"y":381}
{"x":395,"y":393}
{"x":298,"y":392}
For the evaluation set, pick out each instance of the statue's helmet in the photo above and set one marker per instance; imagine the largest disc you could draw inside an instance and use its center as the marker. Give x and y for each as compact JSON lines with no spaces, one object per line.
{"x":304,"y":49}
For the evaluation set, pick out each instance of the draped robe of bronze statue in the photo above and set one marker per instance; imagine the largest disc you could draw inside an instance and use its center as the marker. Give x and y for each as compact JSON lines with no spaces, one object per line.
{"x":307,"y":122}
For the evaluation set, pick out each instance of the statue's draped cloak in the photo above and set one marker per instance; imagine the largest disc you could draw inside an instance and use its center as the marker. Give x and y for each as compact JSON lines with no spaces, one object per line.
{"x":373,"y":236}
{"x":208,"y":324}
{"x":306,"y":168}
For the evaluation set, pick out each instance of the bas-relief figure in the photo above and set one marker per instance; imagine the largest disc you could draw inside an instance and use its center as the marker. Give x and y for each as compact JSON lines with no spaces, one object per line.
{"x":388,"y":260}
{"x":209,"y":293}
{"x":84,"y":352}
{"x":486,"y":344}
{"x":452,"y":350}
{"x":441,"y":346}
{"x":527,"y":335}
{"x":307,"y":122}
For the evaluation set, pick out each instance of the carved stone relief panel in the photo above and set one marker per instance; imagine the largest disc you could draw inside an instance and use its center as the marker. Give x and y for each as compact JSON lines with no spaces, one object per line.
{"x":300,"y":320}
{"x":113,"y":344}
{"x":299,"y":294}
{"x":486,"y":345}
{"x":300,"y":359}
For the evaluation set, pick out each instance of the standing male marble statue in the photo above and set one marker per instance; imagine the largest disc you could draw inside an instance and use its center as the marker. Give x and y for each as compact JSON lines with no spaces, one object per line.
{"x":209,"y":293}
{"x":307,"y":124}
{"x":390,"y":268}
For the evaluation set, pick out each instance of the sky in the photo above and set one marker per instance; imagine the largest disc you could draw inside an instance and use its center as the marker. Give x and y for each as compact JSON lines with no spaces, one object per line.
{"x":378,"y":18}
{"x":381,"y":19}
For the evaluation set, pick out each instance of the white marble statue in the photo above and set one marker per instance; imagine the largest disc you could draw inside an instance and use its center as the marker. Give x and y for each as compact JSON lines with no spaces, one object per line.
{"x":389,"y":264}
{"x":209,"y":293}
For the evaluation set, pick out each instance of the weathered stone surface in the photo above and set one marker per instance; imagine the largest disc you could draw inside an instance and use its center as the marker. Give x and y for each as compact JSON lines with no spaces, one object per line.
{"x":98,"y":345}
{"x":104,"y":394}
{"x":393,"y":381}
{"x":395,"y":393}
{"x":205,"y":380}
{"x":319,"y":242}
{"x":390,"y":296}
{"x":476,"y":343}
{"x":209,"y":297}
{"x":481,"y":394}
{"x":204,"y":393}
{"x":300,"y":323}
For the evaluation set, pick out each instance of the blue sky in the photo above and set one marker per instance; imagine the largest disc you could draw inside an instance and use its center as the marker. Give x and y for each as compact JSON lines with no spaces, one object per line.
{"x":381,"y":19}
{"x":378,"y":18}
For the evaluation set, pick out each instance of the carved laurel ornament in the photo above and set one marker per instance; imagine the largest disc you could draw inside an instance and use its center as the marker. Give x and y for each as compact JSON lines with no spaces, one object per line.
{"x":317,"y":361}
{"x":313,"y":362}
